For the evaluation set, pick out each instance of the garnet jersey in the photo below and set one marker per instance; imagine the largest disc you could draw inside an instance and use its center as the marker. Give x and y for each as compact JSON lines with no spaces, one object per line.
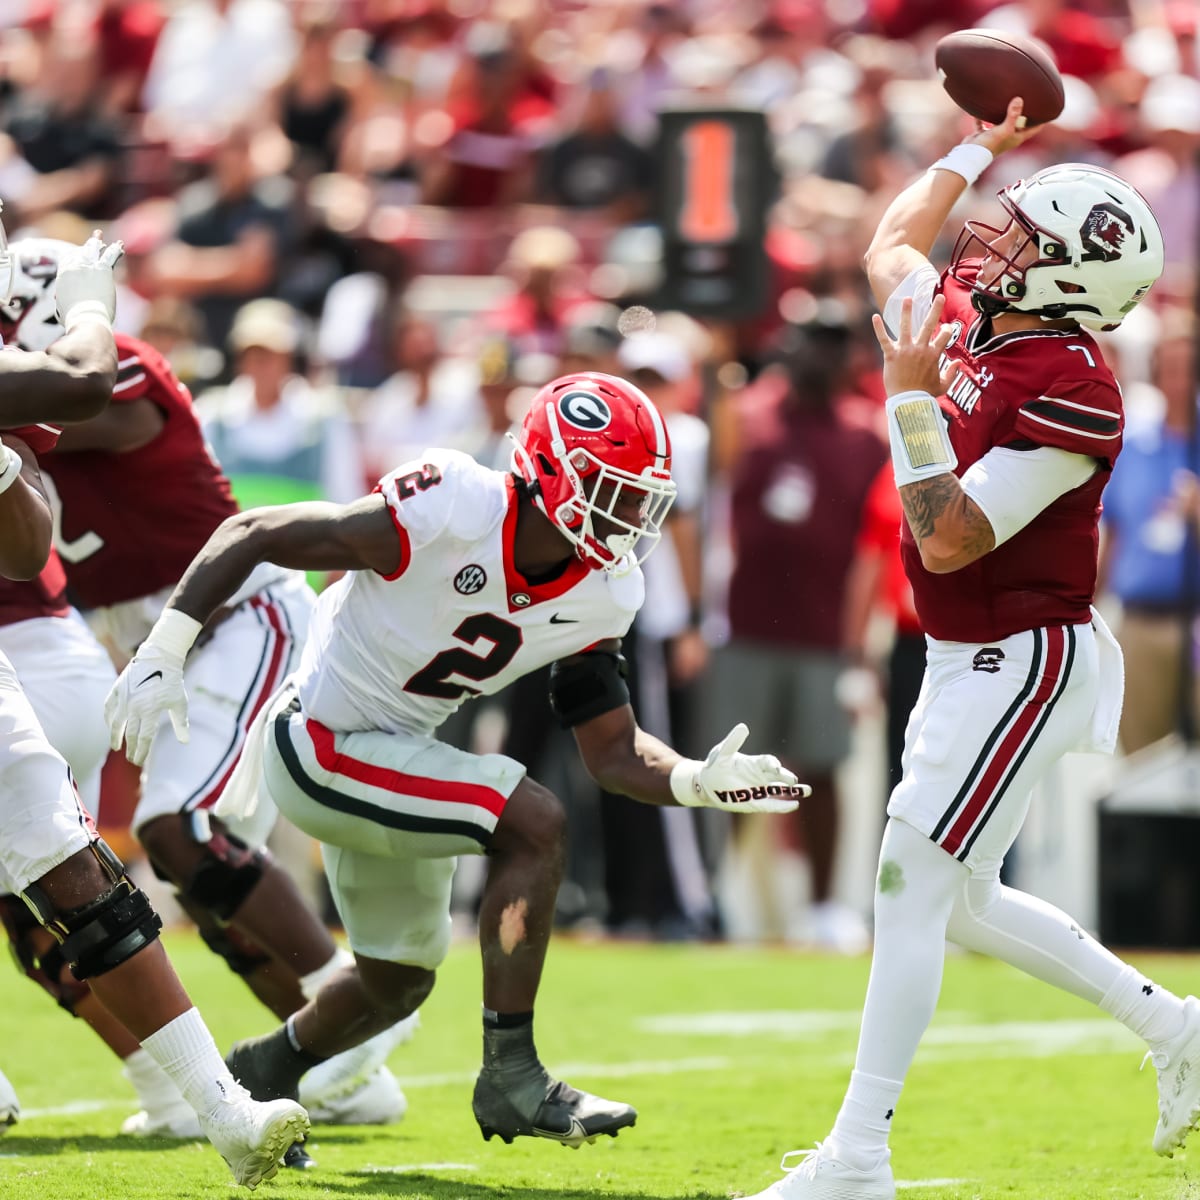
{"x":457,"y":618}
{"x":1037,"y":387}
{"x":131,"y":522}
{"x":45,"y":596}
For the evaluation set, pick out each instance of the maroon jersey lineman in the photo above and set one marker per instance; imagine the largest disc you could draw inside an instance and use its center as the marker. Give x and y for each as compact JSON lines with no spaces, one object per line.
{"x":1036,"y":387}
{"x":132,"y":522}
{"x":45,"y":596}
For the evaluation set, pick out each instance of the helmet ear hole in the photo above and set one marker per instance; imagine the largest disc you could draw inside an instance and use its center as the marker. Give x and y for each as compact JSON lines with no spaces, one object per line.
{"x":546,"y":465}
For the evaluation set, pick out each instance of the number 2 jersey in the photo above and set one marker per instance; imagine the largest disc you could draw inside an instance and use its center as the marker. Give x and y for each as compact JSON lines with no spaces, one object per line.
{"x":457,"y":618}
{"x":1021,"y":390}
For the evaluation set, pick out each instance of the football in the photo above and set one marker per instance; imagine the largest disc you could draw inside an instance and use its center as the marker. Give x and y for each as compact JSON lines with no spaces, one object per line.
{"x":10,"y":1108}
{"x":983,"y":69}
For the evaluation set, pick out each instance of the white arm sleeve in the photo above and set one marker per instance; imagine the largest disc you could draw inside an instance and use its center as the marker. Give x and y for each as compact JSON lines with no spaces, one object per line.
{"x":1012,"y":486}
{"x":920,"y":283}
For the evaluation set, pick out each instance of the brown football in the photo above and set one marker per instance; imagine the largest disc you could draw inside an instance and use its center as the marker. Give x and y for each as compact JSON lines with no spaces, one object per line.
{"x":982,"y":70}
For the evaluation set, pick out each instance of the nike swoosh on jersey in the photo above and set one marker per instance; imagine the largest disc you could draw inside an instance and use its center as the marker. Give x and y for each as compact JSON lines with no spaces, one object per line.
{"x":557,"y":620}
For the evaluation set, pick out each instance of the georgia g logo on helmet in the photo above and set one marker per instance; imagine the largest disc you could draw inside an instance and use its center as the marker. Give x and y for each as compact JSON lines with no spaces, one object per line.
{"x":585,"y":410}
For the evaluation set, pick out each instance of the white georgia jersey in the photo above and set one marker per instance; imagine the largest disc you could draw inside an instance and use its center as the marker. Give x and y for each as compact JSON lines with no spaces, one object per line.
{"x":457,"y":619}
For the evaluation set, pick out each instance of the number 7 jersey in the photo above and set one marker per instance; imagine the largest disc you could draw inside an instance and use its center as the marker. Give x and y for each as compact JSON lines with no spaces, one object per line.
{"x":456,"y":619}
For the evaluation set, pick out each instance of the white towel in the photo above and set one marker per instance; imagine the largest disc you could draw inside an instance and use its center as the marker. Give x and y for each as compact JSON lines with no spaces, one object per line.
{"x":1101,"y":737}
{"x":246,"y":805}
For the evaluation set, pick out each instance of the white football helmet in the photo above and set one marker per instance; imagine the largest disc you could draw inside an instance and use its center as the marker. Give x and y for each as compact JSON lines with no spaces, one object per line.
{"x":29,"y":312}
{"x":1097,"y":248}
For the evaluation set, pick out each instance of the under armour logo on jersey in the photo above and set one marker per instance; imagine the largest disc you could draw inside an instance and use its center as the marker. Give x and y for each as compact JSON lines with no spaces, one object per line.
{"x":470,"y":580}
{"x":988,"y":659}
{"x":986,"y":377}
{"x":585,"y":410}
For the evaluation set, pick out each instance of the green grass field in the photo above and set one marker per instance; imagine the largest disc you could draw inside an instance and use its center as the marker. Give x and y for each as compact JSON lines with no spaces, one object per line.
{"x":731,"y":1056}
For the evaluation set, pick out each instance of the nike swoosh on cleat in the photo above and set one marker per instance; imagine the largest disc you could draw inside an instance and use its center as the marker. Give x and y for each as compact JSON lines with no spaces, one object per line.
{"x":152,"y":675}
{"x":557,"y":620}
{"x":576,"y":1134}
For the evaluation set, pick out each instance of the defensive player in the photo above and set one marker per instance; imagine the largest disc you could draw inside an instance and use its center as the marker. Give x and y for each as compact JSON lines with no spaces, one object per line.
{"x":1000,"y":477}
{"x":121,"y":558}
{"x":50,"y":854}
{"x":460,"y":580}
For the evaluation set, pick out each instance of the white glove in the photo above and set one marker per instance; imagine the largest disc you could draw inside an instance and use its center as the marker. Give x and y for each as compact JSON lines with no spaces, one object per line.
{"x":84,"y":288}
{"x":748,"y":783}
{"x":151,"y":684}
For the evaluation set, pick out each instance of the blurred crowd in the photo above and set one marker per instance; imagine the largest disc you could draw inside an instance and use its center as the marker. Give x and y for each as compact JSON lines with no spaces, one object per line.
{"x":361,"y":228}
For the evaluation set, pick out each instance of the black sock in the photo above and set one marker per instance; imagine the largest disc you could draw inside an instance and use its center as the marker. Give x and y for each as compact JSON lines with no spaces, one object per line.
{"x":269,"y":1067}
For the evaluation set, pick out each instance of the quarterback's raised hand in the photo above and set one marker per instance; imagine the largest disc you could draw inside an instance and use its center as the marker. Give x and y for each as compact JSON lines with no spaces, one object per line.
{"x":150,"y":685}
{"x":84,"y":287}
{"x":736,"y":782}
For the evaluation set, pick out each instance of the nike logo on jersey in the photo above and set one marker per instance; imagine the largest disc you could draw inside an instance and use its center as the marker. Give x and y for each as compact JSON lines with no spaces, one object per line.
{"x":557,"y":620}
{"x":152,"y":675}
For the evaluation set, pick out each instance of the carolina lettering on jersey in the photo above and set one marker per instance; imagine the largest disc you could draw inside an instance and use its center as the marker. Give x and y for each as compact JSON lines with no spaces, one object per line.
{"x":45,"y":596}
{"x":456,"y":619}
{"x":131,"y":522}
{"x":1039,"y":387}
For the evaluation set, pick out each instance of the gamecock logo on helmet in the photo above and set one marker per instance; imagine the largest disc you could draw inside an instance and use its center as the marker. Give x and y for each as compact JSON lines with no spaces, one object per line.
{"x":585,"y":411}
{"x":1104,"y":232}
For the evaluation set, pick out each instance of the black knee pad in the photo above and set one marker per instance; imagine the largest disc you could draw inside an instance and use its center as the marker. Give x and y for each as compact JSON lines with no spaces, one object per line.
{"x":242,"y":955}
{"x":228,"y":873}
{"x":102,"y":934}
{"x":46,"y":967}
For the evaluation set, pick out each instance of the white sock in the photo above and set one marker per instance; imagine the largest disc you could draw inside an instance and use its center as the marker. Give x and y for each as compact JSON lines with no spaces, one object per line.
{"x":153,"y":1085}
{"x":914,"y":894}
{"x":187,"y":1053}
{"x":860,"y":1133}
{"x":1152,"y":1012}
{"x":314,"y":981}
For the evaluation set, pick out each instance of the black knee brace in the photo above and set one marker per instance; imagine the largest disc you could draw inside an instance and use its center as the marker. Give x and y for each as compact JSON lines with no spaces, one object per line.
{"x":46,"y":967}
{"x":105,"y":932}
{"x":243,"y":956}
{"x":228,"y":873}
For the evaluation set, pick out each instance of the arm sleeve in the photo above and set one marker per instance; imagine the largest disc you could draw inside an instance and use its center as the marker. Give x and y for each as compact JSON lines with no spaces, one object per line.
{"x":920,"y":284}
{"x":1012,"y":486}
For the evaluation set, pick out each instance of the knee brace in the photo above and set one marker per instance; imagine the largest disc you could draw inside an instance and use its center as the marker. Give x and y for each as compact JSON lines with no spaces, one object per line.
{"x":45,"y":967}
{"x":102,"y":934}
{"x":242,"y":956}
{"x":228,"y":872}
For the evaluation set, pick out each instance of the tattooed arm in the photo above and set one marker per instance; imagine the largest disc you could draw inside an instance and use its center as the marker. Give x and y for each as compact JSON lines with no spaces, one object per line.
{"x":950,"y":529}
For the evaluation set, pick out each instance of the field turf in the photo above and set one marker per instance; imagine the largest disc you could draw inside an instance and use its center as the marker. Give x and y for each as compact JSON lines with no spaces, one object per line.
{"x":731,"y":1056}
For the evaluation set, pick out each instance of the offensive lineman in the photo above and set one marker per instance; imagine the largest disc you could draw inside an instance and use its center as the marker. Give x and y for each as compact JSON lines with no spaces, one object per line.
{"x":50,"y":853}
{"x":460,"y":580}
{"x":121,"y":556}
{"x":1000,"y":477}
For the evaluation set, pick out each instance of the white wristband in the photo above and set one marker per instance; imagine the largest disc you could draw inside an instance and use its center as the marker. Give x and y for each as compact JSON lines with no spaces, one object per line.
{"x":13,"y":463}
{"x":86,"y":310}
{"x":174,"y":633}
{"x":683,"y":783}
{"x":968,"y":160}
{"x":919,"y":439}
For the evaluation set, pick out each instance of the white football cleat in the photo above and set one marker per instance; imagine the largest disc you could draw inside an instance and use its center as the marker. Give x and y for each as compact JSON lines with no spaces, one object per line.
{"x":252,"y":1137}
{"x":10,"y":1106}
{"x":172,"y":1121}
{"x":336,"y":1077}
{"x":1178,"y":1083}
{"x":820,"y":1176}
{"x":377,"y":1100}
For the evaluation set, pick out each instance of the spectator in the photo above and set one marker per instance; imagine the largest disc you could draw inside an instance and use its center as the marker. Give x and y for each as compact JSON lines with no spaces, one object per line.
{"x":314,"y":105}
{"x":128,"y":33}
{"x":798,"y":495}
{"x":1151,"y":562}
{"x":596,"y":167}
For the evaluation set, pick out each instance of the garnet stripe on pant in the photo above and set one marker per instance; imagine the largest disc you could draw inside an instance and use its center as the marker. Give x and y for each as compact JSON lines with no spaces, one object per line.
{"x":1014,"y":740}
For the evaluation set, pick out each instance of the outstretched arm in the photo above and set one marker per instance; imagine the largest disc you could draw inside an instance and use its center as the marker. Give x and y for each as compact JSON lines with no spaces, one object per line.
{"x":911,"y":224}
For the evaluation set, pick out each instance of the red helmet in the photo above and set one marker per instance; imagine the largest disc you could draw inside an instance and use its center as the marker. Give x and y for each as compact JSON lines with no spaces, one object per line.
{"x":588,"y":443}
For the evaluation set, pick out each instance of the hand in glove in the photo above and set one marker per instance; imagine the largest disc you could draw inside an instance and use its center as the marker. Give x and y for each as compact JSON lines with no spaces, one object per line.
{"x":151,"y":684}
{"x":735,"y":782}
{"x":84,"y":288}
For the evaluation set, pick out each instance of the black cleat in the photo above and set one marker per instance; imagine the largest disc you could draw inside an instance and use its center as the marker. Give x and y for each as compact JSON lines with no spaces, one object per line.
{"x":297,"y":1158}
{"x":251,"y":1063}
{"x":563,"y":1114}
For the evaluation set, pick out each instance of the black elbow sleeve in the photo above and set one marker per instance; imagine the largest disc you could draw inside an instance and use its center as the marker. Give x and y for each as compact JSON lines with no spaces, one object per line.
{"x":588,"y":686}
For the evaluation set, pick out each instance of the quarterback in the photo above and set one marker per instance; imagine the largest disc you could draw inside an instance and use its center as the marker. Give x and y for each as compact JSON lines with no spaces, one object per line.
{"x":1004,"y":423}
{"x":459,"y":580}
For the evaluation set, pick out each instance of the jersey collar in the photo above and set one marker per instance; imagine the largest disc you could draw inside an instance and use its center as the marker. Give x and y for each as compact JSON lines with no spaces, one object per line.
{"x":521,"y":592}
